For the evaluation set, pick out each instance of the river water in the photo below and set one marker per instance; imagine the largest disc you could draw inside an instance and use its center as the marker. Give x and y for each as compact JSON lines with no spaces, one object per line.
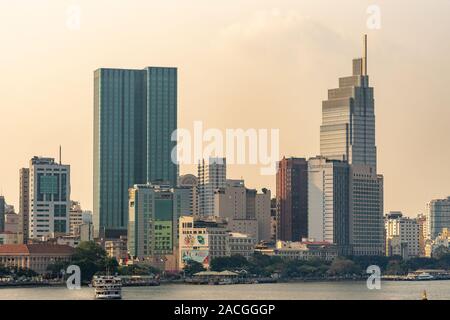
{"x":355,"y":290}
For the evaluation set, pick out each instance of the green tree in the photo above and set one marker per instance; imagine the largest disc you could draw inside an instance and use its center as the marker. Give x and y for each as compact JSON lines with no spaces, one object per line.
{"x":236,"y":262}
{"x":92,"y":258}
{"x":343,"y":267}
{"x":192,"y":267}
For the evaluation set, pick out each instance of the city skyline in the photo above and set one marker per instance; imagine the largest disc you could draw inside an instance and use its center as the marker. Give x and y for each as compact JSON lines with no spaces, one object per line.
{"x":73,"y":127}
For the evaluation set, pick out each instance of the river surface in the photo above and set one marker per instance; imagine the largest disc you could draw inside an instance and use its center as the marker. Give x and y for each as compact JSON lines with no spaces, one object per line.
{"x":355,"y":290}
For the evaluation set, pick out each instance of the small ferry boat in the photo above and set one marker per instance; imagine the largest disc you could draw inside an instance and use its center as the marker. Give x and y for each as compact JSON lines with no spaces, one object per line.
{"x":107,"y":287}
{"x":424,"y":276}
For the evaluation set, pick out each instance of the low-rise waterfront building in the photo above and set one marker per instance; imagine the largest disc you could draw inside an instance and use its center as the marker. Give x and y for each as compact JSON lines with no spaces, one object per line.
{"x":304,"y":250}
{"x":36,"y":257}
{"x":241,"y":244}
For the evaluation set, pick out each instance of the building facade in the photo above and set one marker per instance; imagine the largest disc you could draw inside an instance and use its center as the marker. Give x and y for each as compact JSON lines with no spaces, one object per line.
{"x":438,"y":216}
{"x":49,"y":198}
{"x":202,"y":240}
{"x":211,"y":176}
{"x":135,"y":113}
{"x":190,"y":182}
{"x":2,"y":213}
{"x":241,"y":244}
{"x":402,"y":236}
{"x":329,"y":202}
{"x":24,"y":202}
{"x":347,"y":132}
{"x":292,"y":199}
{"x":152,"y":221}
{"x":366,"y":218}
{"x":36,"y":257}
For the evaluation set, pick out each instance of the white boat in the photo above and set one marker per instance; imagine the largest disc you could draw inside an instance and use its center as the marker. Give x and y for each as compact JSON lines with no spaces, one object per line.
{"x":107,"y":287}
{"x":424,"y":276}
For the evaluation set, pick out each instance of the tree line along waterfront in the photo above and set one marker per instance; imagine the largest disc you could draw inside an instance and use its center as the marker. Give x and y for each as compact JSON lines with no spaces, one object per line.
{"x":93,"y":259}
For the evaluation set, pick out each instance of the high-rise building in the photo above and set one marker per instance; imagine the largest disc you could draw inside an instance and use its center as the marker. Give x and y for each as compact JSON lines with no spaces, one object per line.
{"x":152,"y":221}
{"x":329,"y":202}
{"x":49,"y":198}
{"x":24,"y":202}
{"x":135,"y":114}
{"x":292,"y":199}
{"x":422,"y":222}
{"x":366,"y":218}
{"x":211,"y":176}
{"x":347,"y":132}
{"x":190,"y":183}
{"x":402,"y":235}
{"x":263,"y":214}
{"x":2,"y":213}
{"x":438,"y":216}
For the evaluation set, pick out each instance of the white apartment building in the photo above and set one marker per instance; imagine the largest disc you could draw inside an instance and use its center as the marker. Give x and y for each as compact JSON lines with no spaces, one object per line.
{"x":402,"y":235}
{"x":211,"y":176}
{"x":49,"y":198}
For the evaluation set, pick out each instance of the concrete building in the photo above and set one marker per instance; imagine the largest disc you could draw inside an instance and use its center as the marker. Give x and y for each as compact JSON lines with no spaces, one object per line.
{"x":36,"y":257}
{"x":241,"y":244}
{"x":211,"y":176}
{"x":8,"y":237}
{"x":402,"y":236}
{"x":263,"y":215}
{"x":438,"y":216}
{"x":301,"y":250}
{"x":152,"y":221}
{"x":329,"y":202}
{"x":135,"y":113}
{"x":422,"y":222}
{"x":117,"y":248}
{"x":24,"y":202}
{"x":190,"y":182}
{"x":366,"y":218}
{"x":244,"y":226}
{"x":292,"y":199}
{"x":202,"y":240}
{"x":49,"y":198}
{"x":12,"y":223}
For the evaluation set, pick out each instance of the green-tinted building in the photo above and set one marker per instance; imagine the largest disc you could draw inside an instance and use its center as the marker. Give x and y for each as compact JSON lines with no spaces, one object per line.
{"x":153,"y":217}
{"x":135,"y":113}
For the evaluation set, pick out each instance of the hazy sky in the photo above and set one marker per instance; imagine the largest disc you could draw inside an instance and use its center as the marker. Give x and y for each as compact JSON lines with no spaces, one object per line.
{"x":241,"y":64}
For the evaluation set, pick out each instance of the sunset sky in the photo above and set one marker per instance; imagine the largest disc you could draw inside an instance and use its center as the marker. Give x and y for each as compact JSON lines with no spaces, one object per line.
{"x":241,"y":64}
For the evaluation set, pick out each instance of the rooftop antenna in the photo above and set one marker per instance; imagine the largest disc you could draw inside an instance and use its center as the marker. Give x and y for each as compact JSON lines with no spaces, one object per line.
{"x":60,"y":154}
{"x":364,"y":55}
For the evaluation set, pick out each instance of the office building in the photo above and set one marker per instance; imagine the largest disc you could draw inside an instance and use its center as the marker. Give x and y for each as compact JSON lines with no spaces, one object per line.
{"x":366,"y":219}
{"x":292,"y":199}
{"x":438,"y":216}
{"x":347,"y":132}
{"x":211,"y":176}
{"x":151,"y":221}
{"x":422,"y":222}
{"x":402,"y":236}
{"x":263,"y":214}
{"x":49,"y":198}
{"x":135,"y":113}
{"x":190,"y":182}
{"x":329,"y":202}
{"x":24,"y":202}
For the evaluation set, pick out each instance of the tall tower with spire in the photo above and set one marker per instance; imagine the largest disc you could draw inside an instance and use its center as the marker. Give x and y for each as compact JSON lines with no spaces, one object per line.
{"x":348,"y":121}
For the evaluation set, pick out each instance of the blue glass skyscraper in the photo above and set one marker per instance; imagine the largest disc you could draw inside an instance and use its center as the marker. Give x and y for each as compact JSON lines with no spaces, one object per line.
{"x":135,"y":113}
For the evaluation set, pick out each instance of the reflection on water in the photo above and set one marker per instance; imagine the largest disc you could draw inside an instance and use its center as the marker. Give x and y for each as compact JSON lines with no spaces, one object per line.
{"x":297,"y":291}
